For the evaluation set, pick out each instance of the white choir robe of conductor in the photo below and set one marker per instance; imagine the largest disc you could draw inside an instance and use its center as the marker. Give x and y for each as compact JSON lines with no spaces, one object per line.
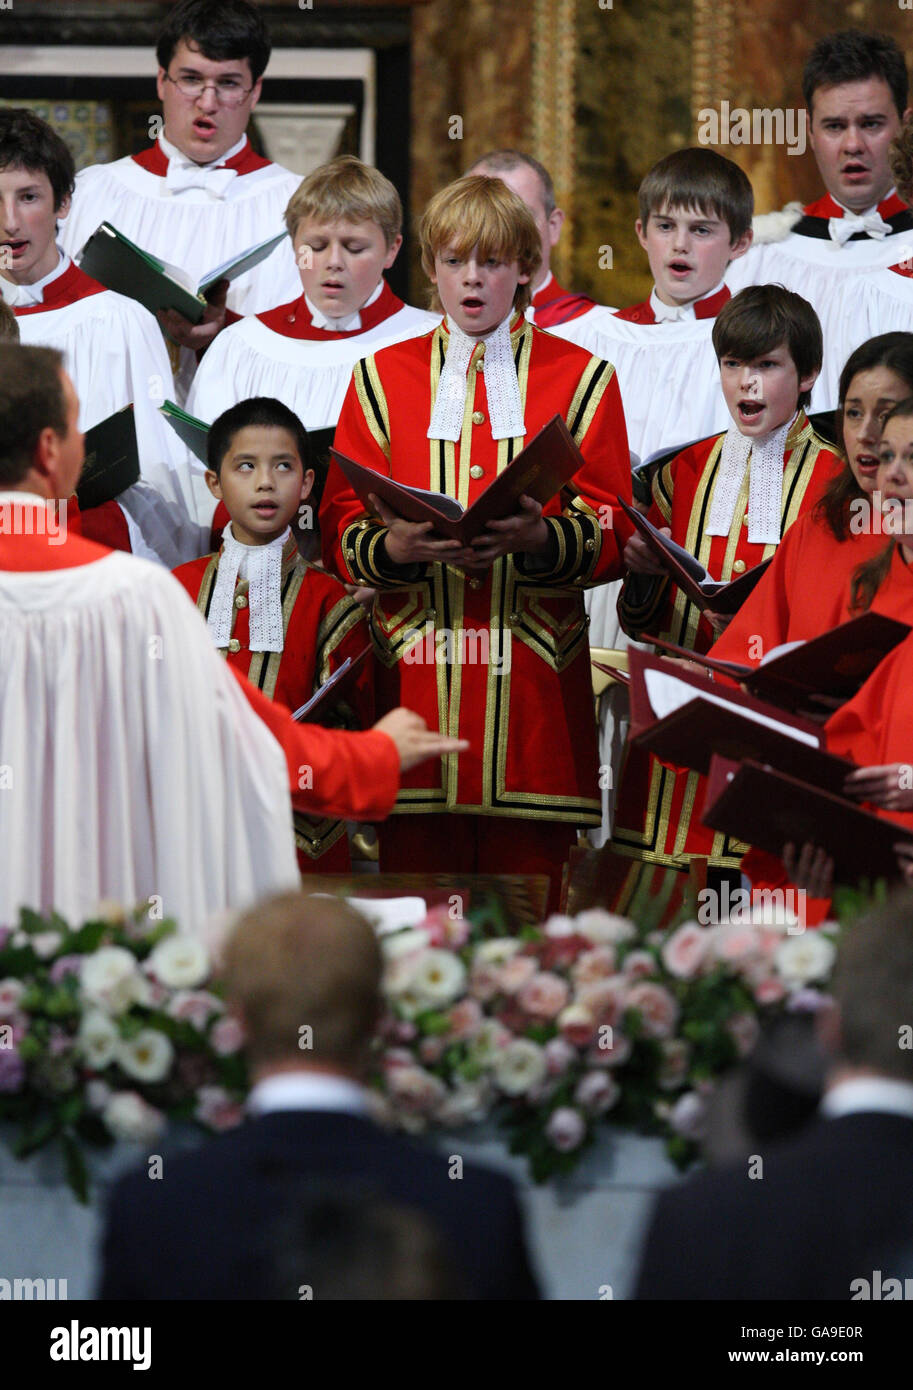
{"x":115,"y":354}
{"x":138,"y":769}
{"x":669,"y":380}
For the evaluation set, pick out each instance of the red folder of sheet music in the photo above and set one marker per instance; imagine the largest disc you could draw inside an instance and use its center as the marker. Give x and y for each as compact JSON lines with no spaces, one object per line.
{"x":769,"y":809}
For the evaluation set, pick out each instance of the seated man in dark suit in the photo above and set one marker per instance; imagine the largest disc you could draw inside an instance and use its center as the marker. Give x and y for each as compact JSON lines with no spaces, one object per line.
{"x":303,"y":975}
{"x":812,"y":1218}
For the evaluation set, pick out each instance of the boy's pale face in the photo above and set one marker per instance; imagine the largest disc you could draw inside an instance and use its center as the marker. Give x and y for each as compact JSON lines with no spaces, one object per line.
{"x":341,"y":263}
{"x":204,"y":127}
{"x":476,"y":294}
{"x":851,"y":129}
{"x":688,"y":252}
{"x":763,"y":394}
{"x":28,"y":249}
{"x":262,"y":483}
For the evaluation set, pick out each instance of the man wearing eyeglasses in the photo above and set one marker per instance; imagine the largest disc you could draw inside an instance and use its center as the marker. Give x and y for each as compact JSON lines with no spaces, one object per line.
{"x":199,"y":195}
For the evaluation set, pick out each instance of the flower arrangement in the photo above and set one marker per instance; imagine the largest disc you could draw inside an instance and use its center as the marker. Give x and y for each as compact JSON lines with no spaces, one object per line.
{"x":108,"y":1032}
{"x":586,"y":1017}
{"x":113,"y":1029}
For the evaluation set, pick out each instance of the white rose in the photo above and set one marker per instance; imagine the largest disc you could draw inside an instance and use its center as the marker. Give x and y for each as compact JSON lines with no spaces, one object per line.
{"x":558,"y":926}
{"x":404,"y":943}
{"x":597,"y":1092}
{"x":800,"y":959}
{"x":147,"y":1056}
{"x":520,"y":1066}
{"x":132,"y":1119}
{"x":180,"y":962}
{"x":440,"y":977}
{"x":566,"y":1129}
{"x":496,"y":952}
{"x":97,"y":1039}
{"x":604,"y":928}
{"x":468,"y":1103}
{"x":46,"y":943}
{"x":11,"y":991}
{"x":111,"y":980}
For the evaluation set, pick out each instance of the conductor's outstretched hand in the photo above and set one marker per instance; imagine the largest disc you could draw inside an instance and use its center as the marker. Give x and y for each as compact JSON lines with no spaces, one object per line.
{"x":415,"y":742}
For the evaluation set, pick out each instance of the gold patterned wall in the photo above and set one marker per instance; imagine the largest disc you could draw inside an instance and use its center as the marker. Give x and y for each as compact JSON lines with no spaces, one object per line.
{"x":601,"y":89}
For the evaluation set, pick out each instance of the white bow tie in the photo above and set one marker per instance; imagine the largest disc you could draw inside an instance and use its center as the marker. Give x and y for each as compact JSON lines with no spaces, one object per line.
{"x":872,"y":223}
{"x":183,"y":174}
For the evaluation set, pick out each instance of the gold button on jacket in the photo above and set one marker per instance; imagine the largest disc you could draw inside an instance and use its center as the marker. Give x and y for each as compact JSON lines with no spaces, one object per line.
{"x":476,"y":471}
{"x":478,"y":417}
{"x":739,"y":566}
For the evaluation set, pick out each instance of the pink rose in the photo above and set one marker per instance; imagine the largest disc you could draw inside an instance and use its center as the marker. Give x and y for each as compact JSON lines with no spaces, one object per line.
{"x":397,"y":1057}
{"x":484,"y":981}
{"x":686,"y":950}
{"x":544,"y":996}
{"x":227,"y":1036}
{"x":597,"y":1092}
{"x":414,"y":1090}
{"x":194,"y":1006}
{"x":639,"y":965}
{"x":770,"y":990}
{"x":435,"y":924}
{"x":688,"y":1116}
{"x":676,"y":1054}
{"x":565,"y":1129}
{"x":657,"y":1008}
{"x":465,"y":1019}
{"x":11,"y":991}
{"x":735,"y":944}
{"x":216,"y":1109}
{"x":604,"y":998}
{"x":64,"y":966}
{"x":744,"y":1030}
{"x":515,"y":973}
{"x":559,"y":1055}
{"x":597,"y":964}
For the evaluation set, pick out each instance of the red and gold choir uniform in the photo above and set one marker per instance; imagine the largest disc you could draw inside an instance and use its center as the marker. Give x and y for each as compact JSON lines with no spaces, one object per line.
{"x":518,"y":686}
{"x":322,"y":625}
{"x":658,"y":817}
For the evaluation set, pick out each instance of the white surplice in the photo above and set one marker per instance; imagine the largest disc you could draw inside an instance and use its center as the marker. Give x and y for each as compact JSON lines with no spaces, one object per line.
{"x":115,"y":354}
{"x":133,"y":767}
{"x":309,"y":375}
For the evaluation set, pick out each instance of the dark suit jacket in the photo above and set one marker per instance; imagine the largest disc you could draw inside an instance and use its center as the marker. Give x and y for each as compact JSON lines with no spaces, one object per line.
{"x":831,"y":1205}
{"x":198,"y":1231}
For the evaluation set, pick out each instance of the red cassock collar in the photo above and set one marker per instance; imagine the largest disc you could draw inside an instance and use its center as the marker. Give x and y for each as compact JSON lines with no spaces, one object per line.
{"x":827,"y":207}
{"x":31,"y":554}
{"x":294,"y":320}
{"x":70,"y":285}
{"x":553,"y":305}
{"x":706,"y":308}
{"x":155,"y":161}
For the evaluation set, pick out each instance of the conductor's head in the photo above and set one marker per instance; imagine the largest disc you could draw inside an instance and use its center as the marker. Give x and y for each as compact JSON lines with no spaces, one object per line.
{"x":303,"y":975}
{"x":41,"y":445}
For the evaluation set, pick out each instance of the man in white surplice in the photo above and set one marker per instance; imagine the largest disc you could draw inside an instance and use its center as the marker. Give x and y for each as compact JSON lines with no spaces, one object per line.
{"x":132,"y":766}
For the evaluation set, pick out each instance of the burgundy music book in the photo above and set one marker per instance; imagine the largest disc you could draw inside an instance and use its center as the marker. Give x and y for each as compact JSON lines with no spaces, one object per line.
{"x":769,"y":809}
{"x":685,"y":570}
{"x":686,"y":720}
{"x":835,"y":664}
{"x":332,"y":691}
{"x":540,"y":470}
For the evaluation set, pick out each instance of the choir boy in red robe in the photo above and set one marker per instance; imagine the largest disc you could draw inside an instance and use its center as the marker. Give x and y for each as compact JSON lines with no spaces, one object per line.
{"x":285,"y":624}
{"x":728,"y":500}
{"x":488,"y":639}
